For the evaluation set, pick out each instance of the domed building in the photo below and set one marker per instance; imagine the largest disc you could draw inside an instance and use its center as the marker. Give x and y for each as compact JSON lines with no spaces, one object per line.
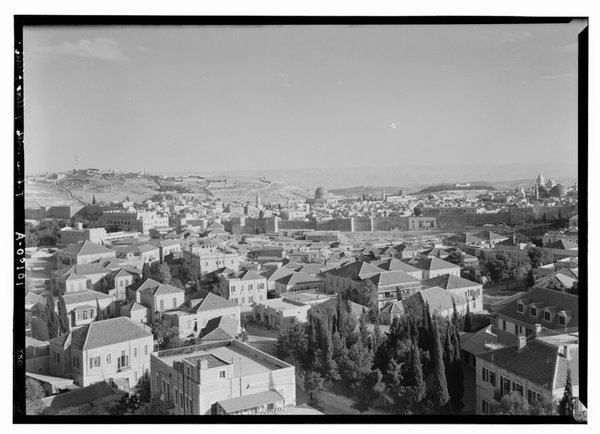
{"x":550,"y":183}
{"x":321,"y":193}
{"x":558,"y":190}
{"x":322,"y":198}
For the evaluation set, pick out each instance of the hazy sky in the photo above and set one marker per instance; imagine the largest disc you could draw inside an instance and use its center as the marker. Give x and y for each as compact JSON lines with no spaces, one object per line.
{"x":174,"y":98}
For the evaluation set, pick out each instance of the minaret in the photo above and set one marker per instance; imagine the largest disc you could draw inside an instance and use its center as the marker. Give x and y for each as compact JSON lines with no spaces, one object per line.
{"x":258,"y":199}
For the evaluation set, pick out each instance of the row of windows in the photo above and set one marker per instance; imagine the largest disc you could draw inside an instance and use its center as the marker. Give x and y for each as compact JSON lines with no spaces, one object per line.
{"x":162,"y":304}
{"x":250,"y":299}
{"x":250,"y":287}
{"x":506,"y":386}
{"x":86,"y":314}
{"x":122,"y":360}
{"x":547,"y":314}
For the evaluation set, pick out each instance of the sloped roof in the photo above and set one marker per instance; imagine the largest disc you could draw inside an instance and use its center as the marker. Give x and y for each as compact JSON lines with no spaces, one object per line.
{"x":474,"y":343}
{"x":250,"y":401}
{"x":405,"y":247}
{"x":293,"y":265}
{"x":83,"y":269}
{"x":438,"y":298}
{"x":73,"y":276}
{"x":276,"y":273}
{"x":298,"y":277}
{"x":436,"y":264}
{"x":154,"y":287}
{"x":395,"y":265}
{"x":449,"y":281}
{"x":391,"y":278}
{"x":537,"y":362}
{"x":86,"y":248}
{"x":311,"y":268}
{"x":563,"y":245}
{"x":209,"y":301}
{"x":108,"y":332}
{"x":220,"y":328}
{"x":356,"y":270}
{"x":79,"y":397}
{"x":85,"y":296}
{"x":542,"y":298}
{"x":133,"y":306}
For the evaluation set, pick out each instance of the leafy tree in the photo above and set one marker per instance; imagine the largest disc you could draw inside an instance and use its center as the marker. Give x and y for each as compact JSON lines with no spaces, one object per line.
{"x":499,"y":268}
{"x":360,"y":363}
{"x":574,"y":289}
{"x":530,"y":279}
{"x":99,"y":313}
{"x":144,"y":388}
{"x":313,"y":382}
{"x":146,"y":272}
{"x":162,"y":273}
{"x":567,"y":402}
{"x":63,"y":316}
{"x":292,"y":341}
{"x":370,"y":389}
{"x":51,"y":318}
{"x":456,"y":257}
{"x":166,"y":335}
{"x":440,"y":387}
{"x":34,"y":392}
{"x":418,"y":211}
{"x":538,"y":257}
{"x":512,"y":403}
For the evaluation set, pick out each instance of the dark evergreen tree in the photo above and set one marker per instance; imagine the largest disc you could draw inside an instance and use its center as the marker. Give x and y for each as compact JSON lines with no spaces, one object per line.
{"x":63,"y":316}
{"x":530,"y":279}
{"x":415,"y":373}
{"x":51,"y":318}
{"x":440,"y":386}
{"x":455,"y":376}
{"x":468,"y":326}
{"x":567,"y":402}
{"x":146,"y":272}
{"x":94,"y":199}
{"x":448,"y":347}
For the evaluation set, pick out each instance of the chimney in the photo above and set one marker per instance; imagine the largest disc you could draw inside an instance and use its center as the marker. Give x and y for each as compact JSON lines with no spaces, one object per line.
{"x":522,"y":342}
{"x":79,"y":226}
{"x":203,"y":364}
{"x":565,"y":352}
{"x":538,"y":329}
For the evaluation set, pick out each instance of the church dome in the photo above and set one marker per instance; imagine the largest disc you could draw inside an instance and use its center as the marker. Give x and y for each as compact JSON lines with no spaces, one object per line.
{"x":321,"y":193}
{"x":558,"y":190}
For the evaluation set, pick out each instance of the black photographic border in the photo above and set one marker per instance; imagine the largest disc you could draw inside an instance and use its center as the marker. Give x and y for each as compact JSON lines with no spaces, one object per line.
{"x":19,"y":135}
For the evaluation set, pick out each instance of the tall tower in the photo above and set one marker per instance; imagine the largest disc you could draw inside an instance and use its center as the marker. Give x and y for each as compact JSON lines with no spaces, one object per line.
{"x":258,"y":199}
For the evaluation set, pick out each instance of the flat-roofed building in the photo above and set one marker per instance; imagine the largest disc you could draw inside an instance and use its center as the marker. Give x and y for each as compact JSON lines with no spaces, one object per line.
{"x":226,"y":377}
{"x":277,"y":312}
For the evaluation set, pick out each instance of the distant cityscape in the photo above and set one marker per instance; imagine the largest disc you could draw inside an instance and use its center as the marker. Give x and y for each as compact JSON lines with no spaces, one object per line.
{"x":454,"y":299}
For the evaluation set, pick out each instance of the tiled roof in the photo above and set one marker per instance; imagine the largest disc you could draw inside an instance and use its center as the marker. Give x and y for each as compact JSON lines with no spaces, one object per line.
{"x":85,"y":296}
{"x":220,"y":328}
{"x":537,"y":362}
{"x":154,"y":287}
{"x":391,"y":278}
{"x":250,"y":401}
{"x":436,"y":264}
{"x":563,"y":245}
{"x":86,"y":248}
{"x":83,"y":269}
{"x":298,"y":277}
{"x":276,"y":273}
{"x":449,"y":281}
{"x":544,"y":298}
{"x":210,"y":301}
{"x":108,"y":332}
{"x":356,"y":270}
{"x":438,"y":298}
{"x":78,"y":397}
{"x":405,"y":248}
{"x":395,"y":265}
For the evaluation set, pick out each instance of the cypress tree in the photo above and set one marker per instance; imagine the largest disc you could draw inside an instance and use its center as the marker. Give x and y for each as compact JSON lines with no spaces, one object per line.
{"x":455,"y":377}
{"x":94,"y":199}
{"x":51,"y":317}
{"x":467,"y":327}
{"x":146,"y":272}
{"x":566,"y":404}
{"x":448,"y":348}
{"x":455,"y":317}
{"x":440,"y":386}
{"x":99,"y":313}
{"x":416,"y":372}
{"x":63,"y":316}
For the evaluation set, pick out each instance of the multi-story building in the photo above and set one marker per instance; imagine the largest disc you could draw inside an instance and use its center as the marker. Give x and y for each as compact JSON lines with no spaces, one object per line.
{"x":226,"y":377}
{"x":134,"y":220}
{"x":433,"y":267}
{"x":83,"y":253}
{"x":166,"y":247}
{"x":78,"y":234}
{"x":537,"y":309}
{"x":277,"y":312}
{"x":536,"y":369}
{"x":193,"y":316}
{"x":155,"y":296}
{"x":299,"y":282}
{"x":203,"y":260}
{"x":458,"y":286}
{"x":243,"y":288}
{"x":116,"y":350}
